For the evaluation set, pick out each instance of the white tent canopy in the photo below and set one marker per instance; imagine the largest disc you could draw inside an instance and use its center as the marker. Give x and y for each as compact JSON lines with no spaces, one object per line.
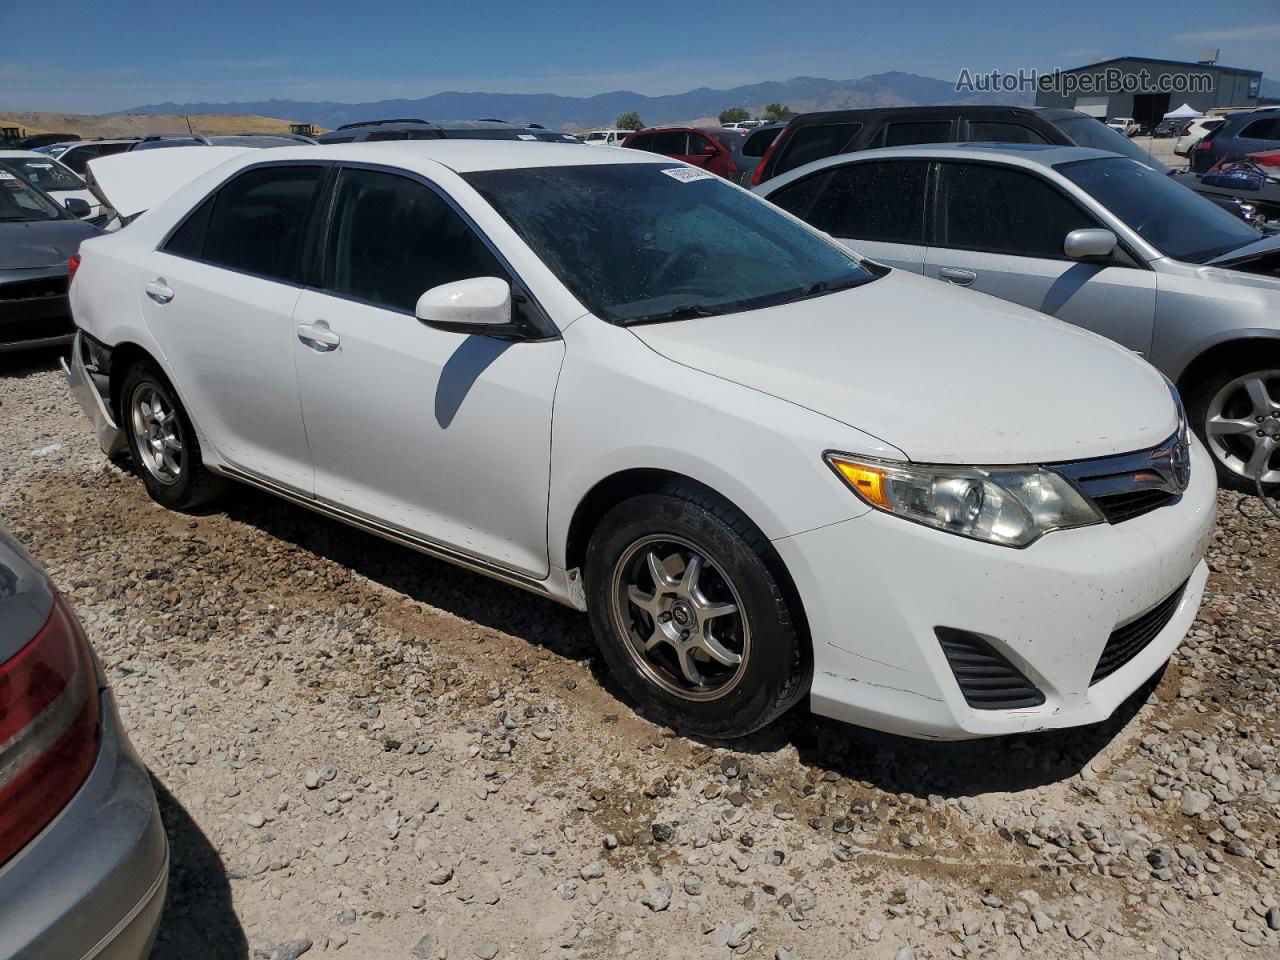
{"x":1184,"y":112}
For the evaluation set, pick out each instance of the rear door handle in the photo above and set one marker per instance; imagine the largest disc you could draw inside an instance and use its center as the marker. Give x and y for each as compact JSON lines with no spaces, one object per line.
{"x":318,"y":336}
{"x":159,"y":291}
{"x":961,"y":278}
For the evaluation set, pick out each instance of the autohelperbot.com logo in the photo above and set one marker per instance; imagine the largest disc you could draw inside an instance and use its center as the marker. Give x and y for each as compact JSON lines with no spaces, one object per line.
{"x":1071,"y":82}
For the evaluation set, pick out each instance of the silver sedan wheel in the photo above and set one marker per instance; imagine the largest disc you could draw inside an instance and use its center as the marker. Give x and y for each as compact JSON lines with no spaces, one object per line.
{"x":1243,"y":425}
{"x":155,"y":425}
{"x":681,"y":618}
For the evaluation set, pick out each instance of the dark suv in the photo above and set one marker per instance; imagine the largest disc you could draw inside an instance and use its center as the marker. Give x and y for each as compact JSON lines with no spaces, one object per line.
{"x":412,"y":129}
{"x":1243,"y":133}
{"x":815,"y":136}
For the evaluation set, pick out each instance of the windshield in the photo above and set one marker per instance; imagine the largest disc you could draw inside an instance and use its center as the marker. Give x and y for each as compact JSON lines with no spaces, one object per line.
{"x":45,"y":174}
{"x":19,"y":201}
{"x":597,"y":135}
{"x":644,"y":242}
{"x":1088,"y":132}
{"x":1173,"y":219}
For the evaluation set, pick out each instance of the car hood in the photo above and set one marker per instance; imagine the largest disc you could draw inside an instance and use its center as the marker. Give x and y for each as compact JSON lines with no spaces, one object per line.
{"x":946,"y":376}
{"x":48,"y":243}
{"x":136,"y":181}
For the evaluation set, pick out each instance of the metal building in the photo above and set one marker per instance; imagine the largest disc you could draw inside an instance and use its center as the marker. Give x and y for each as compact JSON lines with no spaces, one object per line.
{"x":1109,"y":88}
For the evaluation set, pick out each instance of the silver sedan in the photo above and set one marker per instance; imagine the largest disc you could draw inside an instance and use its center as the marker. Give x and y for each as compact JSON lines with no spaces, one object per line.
{"x":84,"y":861}
{"x":1093,"y":238}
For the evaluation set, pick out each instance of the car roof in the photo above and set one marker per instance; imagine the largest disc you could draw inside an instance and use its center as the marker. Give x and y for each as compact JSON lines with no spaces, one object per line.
{"x":464,"y":156}
{"x":1015,"y":154}
{"x":30,"y":154}
{"x":951,"y":109}
{"x":72,"y":144}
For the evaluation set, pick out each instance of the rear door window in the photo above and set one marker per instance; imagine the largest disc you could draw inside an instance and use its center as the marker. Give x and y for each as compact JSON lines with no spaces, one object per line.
{"x":393,"y":238}
{"x":1000,"y":131}
{"x":1268,"y":129}
{"x":922,"y":131}
{"x":757,"y":143}
{"x":815,"y":142}
{"x":1000,"y":210}
{"x":881,"y":200}
{"x":255,"y":223}
{"x":643,"y":141}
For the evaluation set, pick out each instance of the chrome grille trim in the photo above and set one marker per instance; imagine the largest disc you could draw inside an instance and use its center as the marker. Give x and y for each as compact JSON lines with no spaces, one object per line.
{"x":1129,"y":485}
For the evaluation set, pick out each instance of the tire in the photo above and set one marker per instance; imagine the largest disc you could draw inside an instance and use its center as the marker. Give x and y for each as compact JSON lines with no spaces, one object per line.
{"x":1224,"y":395}
{"x":736,"y":568}
{"x":161,"y":438}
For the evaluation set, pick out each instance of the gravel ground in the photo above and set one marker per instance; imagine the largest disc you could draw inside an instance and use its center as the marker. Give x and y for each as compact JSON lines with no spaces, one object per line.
{"x":362,"y":751}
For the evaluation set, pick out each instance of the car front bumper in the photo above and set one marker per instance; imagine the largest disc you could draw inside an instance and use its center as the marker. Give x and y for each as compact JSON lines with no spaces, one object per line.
{"x":875,"y":588}
{"x":89,"y":387}
{"x":91,"y":885}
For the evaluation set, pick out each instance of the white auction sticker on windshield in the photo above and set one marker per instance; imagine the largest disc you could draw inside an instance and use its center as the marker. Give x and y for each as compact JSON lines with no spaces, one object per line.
{"x":687,"y":174}
{"x":525,"y":136}
{"x":7,"y":176}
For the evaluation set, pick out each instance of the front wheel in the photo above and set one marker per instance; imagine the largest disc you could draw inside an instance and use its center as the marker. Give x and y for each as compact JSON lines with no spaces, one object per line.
{"x":686,"y":604}
{"x":163,"y":442}
{"x":1237,"y":415}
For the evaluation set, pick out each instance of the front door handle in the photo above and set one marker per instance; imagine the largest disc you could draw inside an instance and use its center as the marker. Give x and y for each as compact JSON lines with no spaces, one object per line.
{"x":159,"y":291}
{"x":961,"y":278}
{"x":318,"y":336}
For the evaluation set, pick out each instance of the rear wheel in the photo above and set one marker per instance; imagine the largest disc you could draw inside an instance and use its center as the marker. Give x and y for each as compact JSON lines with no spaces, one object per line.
{"x":690,"y":614}
{"x":1237,"y":415}
{"x":163,"y":442}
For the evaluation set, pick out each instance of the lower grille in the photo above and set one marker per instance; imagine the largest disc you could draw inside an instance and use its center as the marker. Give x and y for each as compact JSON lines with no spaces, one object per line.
{"x":987,"y":680}
{"x":1128,"y":641}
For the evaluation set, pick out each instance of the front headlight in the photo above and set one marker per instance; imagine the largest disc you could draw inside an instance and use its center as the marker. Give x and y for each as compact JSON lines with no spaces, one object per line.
{"x":1011,"y":506}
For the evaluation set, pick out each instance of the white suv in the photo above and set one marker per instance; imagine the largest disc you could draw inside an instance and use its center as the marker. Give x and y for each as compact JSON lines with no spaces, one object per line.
{"x":766,"y":468}
{"x":605,"y":138}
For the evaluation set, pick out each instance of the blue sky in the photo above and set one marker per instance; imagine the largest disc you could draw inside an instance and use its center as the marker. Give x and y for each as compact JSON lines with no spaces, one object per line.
{"x":78,"y":56}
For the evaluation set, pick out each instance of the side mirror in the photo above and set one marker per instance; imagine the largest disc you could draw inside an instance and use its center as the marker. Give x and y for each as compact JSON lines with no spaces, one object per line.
{"x":1089,"y":244}
{"x":478,"y":305}
{"x":77,"y":207}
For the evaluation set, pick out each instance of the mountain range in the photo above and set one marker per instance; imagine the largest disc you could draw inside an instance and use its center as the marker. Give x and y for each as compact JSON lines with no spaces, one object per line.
{"x":893,"y":89}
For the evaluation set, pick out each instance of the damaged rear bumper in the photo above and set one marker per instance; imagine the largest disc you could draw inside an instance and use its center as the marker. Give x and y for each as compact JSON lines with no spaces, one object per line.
{"x":92,"y":390}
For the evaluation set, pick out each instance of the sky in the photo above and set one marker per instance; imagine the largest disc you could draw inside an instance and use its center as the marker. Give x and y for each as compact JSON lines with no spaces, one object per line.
{"x":91,"y":57}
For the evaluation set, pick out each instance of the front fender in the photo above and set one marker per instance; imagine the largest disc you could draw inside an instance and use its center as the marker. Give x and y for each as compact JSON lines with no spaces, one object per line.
{"x":620,"y":406}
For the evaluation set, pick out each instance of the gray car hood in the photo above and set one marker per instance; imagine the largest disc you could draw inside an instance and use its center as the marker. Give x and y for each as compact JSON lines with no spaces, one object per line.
{"x":46,"y":243}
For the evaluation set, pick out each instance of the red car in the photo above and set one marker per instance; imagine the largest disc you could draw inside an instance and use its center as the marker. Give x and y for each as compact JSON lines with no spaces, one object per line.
{"x":708,"y":147}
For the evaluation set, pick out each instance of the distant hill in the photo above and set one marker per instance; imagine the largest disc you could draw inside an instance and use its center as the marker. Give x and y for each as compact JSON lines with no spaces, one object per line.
{"x":132,"y":125}
{"x":799,"y":93}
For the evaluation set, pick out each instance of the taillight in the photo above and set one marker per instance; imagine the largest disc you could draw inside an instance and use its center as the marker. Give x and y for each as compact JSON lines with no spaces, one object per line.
{"x":1203,"y":144}
{"x":757,"y":178}
{"x":73,"y":264}
{"x":49,"y":728}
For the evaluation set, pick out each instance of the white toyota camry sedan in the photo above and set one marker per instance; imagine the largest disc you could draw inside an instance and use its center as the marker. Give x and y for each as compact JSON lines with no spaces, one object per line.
{"x":766,"y":468}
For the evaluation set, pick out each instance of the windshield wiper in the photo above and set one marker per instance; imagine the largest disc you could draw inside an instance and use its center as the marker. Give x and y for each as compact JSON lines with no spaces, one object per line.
{"x":688,"y":311}
{"x":830,"y":286}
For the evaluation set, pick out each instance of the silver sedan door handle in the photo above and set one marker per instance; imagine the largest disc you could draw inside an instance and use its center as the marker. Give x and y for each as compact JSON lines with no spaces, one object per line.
{"x":159,"y":291}
{"x":961,"y":278}
{"x":318,"y":336}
